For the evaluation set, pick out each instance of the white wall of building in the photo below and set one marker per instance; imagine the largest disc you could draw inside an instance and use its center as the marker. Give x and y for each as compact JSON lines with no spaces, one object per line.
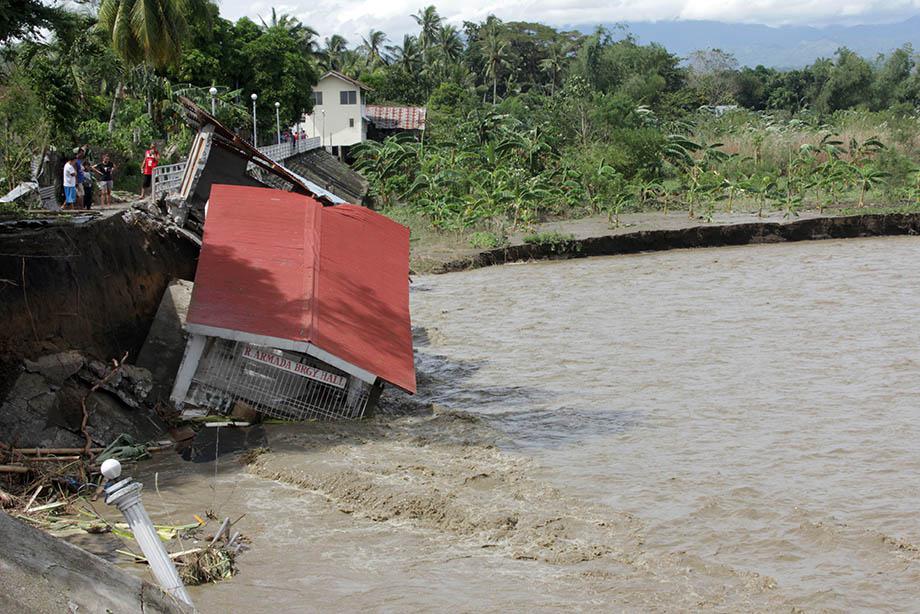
{"x":336,"y":124}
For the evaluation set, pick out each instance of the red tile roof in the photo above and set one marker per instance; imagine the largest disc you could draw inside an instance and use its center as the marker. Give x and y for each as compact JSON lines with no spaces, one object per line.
{"x":279,"y":265}
{"x":399,"y":118}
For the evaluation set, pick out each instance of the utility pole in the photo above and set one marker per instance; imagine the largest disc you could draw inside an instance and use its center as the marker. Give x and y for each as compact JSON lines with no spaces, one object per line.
{"x":278,"y":120}
{"x":255,"y":139}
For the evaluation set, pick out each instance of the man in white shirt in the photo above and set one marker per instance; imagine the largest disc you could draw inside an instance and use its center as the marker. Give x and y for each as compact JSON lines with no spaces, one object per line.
{"x":70,"y":183}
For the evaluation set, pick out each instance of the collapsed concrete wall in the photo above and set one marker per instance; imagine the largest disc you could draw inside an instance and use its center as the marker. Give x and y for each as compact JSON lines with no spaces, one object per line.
{"x":42,"y":574}
{"x":94,"y":285}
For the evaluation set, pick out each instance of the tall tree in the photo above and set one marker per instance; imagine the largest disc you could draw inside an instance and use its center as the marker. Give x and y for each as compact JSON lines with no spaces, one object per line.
{"x":149,"y":32}
{"x":305,"y":35}
{"x":429,"y":22}
{"x":372,"y":44}
{"x":334,"y":51}
{"x":407,"y":55}
{"x":23,"y":18}
{"x":450,"y":43}
{"x":494,"y":50}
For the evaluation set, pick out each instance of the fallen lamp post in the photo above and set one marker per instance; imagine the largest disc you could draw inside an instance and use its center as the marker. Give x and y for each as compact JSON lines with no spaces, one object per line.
{"x":126,"y":495}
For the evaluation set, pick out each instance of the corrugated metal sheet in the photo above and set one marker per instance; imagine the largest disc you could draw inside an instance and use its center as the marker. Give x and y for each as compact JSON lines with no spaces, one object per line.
{"x":396,"y":118}
{"x":280,"y":265}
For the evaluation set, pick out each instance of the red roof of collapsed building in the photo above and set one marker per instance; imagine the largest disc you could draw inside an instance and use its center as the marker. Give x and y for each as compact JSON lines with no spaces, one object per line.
{"x":278,"y":268}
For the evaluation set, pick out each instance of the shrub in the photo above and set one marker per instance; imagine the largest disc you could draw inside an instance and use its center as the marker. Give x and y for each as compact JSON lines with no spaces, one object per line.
{"x":487,"y":240}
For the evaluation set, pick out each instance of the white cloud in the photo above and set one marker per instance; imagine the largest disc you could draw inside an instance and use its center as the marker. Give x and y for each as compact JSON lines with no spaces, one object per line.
{"x":353,"y":18}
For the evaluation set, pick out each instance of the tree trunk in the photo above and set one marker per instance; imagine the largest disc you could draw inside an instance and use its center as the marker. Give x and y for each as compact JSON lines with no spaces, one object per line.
{"x":494,"y":89}
{"x":118,"y":89}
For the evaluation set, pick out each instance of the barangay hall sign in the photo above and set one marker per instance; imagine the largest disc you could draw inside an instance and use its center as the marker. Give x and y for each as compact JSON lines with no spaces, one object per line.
{"x":298,"y":368}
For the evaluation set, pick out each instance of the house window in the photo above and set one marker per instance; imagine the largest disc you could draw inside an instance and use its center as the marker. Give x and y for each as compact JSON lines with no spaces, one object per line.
{"x":317,"y":99}
{"x":351,"y":122}
{"x":348,"y":97}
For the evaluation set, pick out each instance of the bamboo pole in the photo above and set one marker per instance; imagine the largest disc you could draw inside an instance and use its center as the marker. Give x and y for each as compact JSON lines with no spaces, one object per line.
{"x":13,"y":469}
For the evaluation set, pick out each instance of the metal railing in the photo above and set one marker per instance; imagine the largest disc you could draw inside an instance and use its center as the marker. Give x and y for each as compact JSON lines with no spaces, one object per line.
{"x":282,"y":151}
{"x":167,"y":178}
{"x":227,"y":375}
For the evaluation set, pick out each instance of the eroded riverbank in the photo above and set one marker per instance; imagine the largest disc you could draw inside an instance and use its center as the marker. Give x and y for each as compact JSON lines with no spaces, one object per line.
{"x":649,"y":233}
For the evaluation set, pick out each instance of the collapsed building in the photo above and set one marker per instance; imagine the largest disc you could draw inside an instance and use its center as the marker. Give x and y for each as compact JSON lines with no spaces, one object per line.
{"x":300,"y":307}
{"x":219,"y":156}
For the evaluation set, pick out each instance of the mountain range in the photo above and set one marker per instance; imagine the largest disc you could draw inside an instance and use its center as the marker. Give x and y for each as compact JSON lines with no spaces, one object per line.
{"x":778,"y":47}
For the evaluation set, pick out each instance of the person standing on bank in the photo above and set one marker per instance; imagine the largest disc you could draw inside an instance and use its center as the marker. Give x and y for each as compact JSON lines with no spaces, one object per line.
{"x":70,"y":183}
{"x":106,"y":172}
{"x":151,"y":159}
{"x":81,"y":175}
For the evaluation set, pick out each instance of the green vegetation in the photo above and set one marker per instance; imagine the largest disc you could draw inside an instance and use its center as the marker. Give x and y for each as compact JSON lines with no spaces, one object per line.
{"x":483,"y":239}
{"x":525,"y":122}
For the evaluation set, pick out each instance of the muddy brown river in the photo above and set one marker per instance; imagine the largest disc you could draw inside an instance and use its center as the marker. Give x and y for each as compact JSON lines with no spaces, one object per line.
{"x":734,"y":429}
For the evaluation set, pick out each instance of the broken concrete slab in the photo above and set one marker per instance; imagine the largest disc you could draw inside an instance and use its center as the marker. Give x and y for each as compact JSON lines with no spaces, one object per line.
{"x":129,"y":383}
{"x":42,"y":574}
{"x":45,"y":409}
{"x":56,"y":367}
{"x":28,"y":417}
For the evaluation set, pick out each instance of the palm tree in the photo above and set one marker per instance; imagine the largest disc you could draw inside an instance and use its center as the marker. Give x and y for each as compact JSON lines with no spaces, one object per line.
{"x":554,"y":62}
{"x":429,"y":21}
{"x":305,"y":35}
{"x":372,"y":44}
{"x":495,"y":51}
{"x":406,"y":55}
{"x":333,"y":51}
{"x":149,"y":32}
{"x":450,"y":43}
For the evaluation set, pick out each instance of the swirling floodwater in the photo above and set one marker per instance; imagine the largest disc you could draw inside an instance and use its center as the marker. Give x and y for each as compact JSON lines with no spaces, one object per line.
{"x":733,"y":429}
{"x":756,"y":406}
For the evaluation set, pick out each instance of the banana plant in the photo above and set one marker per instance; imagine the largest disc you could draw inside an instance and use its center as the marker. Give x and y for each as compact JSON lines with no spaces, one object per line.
{"x":761,"y":186}
{"x":868,"y":178}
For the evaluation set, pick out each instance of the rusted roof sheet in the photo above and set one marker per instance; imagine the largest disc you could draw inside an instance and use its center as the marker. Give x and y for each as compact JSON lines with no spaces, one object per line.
{"x":290,"y":273}
{"x":396,"y":118}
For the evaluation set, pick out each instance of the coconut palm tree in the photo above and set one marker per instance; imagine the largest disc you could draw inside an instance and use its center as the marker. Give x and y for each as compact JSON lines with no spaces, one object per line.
{"x":429,"y":21}
{"x":407,"y":55}
{"x":372,"y":45}
{"x":450,"y":43}
{"x":495,"y":51}
{"x":554,"y":62}
{"x":305,"y":35}
{"x":149,"y":32}
{"x":333,"y":52}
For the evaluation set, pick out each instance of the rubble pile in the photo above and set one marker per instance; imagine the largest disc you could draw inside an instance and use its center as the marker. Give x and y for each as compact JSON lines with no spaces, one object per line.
{"x":44,"y":407}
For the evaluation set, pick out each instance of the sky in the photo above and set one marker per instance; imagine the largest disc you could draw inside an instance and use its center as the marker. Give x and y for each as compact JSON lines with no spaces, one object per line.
{"x":353,"y":18}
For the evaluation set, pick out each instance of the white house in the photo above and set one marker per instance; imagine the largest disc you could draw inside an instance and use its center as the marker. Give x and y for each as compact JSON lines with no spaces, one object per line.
{"x":338,"y":117}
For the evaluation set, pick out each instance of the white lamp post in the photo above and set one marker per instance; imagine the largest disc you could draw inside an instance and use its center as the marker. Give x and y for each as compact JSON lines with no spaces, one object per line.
{"x":213,"y":92}
{"x":126,"y":495}
{"x":278,"y":120}
{"x":322,"y":140}
{"x":255,"y":139}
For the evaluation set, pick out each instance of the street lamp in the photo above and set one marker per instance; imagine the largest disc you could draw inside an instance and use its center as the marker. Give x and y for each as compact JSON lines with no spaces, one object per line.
{"x":278,"y":120}
{"x":255,"y":139}
{"x":213,"y":92}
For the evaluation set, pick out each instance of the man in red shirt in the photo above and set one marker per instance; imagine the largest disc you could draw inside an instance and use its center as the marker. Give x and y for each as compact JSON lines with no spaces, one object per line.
{"x":151,"y":159}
